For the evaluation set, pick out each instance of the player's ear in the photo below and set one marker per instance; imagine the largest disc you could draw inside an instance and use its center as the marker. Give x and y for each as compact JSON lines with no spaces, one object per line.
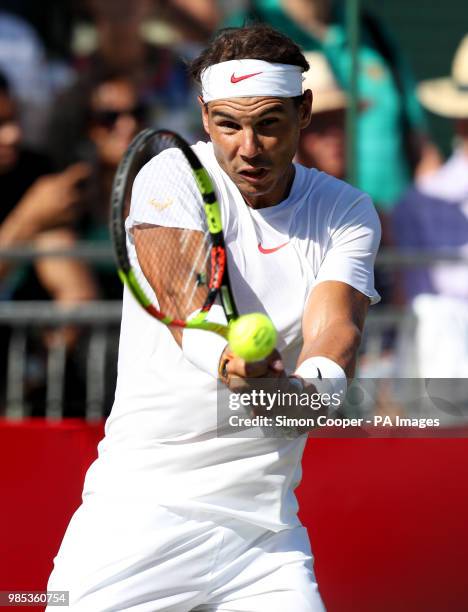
{"x":204,"y":111}
{"x":305,"y":109}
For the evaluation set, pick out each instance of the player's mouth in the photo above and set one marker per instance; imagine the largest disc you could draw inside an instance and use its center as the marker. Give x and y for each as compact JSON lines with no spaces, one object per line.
{"x":254,"y":175}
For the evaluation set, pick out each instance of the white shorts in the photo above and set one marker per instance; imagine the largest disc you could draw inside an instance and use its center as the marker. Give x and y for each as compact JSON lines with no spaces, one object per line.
{"x":123,"y":556}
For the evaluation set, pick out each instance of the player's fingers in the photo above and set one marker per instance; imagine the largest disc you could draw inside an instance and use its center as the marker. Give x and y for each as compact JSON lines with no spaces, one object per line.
{"x":271,"y":366}
{"x":239,"y":367}
{"x":238,"y":384}
{"x":275,"y":364}
{"x":257,"y":369}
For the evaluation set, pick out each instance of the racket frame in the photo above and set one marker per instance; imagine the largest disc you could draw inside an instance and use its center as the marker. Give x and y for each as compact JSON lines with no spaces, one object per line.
{"x":219,"y":281}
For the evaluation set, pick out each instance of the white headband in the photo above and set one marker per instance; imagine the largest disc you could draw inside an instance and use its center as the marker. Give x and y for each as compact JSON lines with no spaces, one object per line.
{"x":248,"y":78}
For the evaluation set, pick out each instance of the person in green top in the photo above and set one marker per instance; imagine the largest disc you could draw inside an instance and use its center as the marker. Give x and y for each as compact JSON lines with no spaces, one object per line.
{"x":391,"y":145}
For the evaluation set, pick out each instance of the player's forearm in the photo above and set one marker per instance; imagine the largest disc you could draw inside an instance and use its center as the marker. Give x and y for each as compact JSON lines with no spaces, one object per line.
{"x":339,"y":342}
{"x":323,"y":380}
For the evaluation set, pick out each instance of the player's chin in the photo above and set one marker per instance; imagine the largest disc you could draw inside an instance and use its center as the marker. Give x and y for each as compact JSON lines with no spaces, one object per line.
{"x":255,"y":188}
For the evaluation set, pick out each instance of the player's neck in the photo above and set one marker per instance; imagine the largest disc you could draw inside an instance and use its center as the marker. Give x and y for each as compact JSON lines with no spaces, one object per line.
{"x":276,"y":195}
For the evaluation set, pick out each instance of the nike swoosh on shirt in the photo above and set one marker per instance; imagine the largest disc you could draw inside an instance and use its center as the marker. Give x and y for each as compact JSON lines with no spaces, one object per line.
{"x":235,"y":79}
{"x":272,"y":250}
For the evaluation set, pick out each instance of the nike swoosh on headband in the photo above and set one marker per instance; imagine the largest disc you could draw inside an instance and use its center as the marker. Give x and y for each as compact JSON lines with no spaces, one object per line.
{"x":272,"y":250}
{"x":235,"y":79}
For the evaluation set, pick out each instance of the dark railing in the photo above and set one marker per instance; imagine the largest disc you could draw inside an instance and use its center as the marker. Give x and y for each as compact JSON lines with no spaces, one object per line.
{"x":101,"y":320}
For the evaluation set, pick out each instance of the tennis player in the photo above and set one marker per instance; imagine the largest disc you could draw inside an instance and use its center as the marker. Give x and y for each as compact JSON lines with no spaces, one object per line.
{"x":175,"y":517}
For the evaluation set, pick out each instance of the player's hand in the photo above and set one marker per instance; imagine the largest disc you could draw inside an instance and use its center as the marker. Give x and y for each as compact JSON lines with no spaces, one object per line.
{"x":53,"y":199}
{"x":237,"y":372}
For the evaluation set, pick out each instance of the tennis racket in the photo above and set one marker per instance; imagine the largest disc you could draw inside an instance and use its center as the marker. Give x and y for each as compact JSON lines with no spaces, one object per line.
{"x":175,"y":224}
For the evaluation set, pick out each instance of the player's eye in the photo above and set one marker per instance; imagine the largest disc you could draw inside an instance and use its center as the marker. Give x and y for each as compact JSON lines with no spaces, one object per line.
{"x":229,"y":125}
{"x":268,"y":122}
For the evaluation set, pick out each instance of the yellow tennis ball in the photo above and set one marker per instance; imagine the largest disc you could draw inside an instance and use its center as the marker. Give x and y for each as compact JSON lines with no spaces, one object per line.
{"x":252,"y":336}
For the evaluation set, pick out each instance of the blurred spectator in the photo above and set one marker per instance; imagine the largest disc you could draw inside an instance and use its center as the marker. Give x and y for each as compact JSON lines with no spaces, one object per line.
{"x":77,"y":200}
{"x":35,"y":80}
{"x":51,"y":19}
{"x":322,"y":144}
{"x":115,"y":114}
{"x":433,"y":216}
{"x":37,"y":208}
{"x":120,"y":45}
{"x":34,"y":201}
{"x":156,"y":71}
{"x":194,"y":21}
{"x":390,"y":140}
{"x":197,"y":21}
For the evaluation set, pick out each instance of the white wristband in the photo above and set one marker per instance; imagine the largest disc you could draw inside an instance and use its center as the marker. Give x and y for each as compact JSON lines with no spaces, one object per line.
{"x":204,"y":349}
{"x":327,"y":375}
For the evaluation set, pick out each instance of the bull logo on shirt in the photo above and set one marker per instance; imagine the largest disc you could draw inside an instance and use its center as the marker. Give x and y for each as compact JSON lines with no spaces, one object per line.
{"x":162,"y":205}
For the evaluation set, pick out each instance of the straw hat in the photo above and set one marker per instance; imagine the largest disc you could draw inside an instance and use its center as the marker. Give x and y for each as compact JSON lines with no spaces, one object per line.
{"x":449,"y":96}
{"x":319,"y":78}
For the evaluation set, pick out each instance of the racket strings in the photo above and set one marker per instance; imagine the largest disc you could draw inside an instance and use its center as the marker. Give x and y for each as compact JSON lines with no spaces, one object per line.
{"x":173,"y":244}
{"x":162,"y":202}
{"x":179,"y":280}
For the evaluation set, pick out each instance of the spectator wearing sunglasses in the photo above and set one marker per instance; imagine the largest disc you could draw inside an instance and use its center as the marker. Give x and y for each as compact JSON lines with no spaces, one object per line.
{"x":115,"y":113}
{"x":114,"y":116}
{"x":37,"y":209}
{"x":119,"y":45}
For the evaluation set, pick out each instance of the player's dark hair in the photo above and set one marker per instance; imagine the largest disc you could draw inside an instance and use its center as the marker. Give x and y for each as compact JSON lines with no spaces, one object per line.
{"x":258,"y":41}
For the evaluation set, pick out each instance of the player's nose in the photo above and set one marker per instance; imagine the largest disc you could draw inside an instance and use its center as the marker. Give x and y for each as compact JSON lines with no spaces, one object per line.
{"x":250,"y":145}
